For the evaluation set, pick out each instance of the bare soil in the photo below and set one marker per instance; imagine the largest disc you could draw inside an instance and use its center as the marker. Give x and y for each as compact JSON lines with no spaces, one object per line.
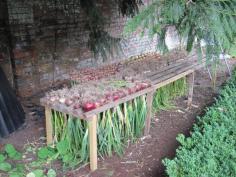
{"x":144,"y":158}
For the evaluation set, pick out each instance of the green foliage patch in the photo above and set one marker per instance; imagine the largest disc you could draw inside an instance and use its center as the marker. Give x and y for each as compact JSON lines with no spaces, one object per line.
{"x":211,"y":148}
{"x":115,"y":127}
{"x":211,"y":21}
{"x":164,"y":95}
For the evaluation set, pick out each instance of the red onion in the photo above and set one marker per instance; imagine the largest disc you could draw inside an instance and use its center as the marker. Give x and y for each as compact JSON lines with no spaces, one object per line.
{"x":68,"y":102}
{"x":138,"y":87}
{"x":115,"y":97}
{"x":88,"y":106}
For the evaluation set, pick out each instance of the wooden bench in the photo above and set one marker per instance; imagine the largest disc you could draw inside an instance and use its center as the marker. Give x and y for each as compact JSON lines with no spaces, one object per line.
{"x":160,"y":78}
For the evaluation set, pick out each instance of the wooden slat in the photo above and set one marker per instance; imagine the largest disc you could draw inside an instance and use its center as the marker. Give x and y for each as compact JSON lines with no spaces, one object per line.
{"x":149,"y":113}
{"x":158,"y":75}
{"x":93,"y":142}
{"x":170,"y":66}
{"x":176,"y":72}
{"x":172,"y":79}
{"x":190,"y":89}
{"x":49,"y":128}
{"x":163,"y":69}
{"x":167,"y":70}
{"x":116,"y":103}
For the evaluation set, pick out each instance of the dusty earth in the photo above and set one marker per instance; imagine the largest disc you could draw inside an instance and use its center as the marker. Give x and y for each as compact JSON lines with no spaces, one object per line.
{"x":142,"y":159}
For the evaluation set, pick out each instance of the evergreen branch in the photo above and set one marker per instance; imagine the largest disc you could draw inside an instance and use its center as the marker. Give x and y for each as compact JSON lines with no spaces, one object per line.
{"x":211,"y":21}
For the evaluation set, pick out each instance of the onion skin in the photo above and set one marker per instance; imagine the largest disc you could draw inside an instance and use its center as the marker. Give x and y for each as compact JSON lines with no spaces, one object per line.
{"x":62,"y":100}
{"x":102,"y":101}
{"x":115,"y":97}
{"x":144,"y":85}
{"x":108,"y":96}
{"x":68,"y":102}
{"x":138,"y":87}
{"x":88,"y":106}
{"x":131,"y":90}
{"x":121,"y":94}
{"x":52,"y":99}
{"x":97,"y":104}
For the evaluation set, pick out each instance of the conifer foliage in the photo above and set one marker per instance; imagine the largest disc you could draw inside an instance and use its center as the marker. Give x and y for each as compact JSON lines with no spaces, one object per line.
{"x":210,"y":21}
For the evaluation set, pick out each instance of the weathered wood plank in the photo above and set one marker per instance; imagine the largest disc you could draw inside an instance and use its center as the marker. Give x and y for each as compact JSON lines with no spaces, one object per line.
{"x":171,"y":65}
{"x":176,"y":72}
{"x":149,"y":113}
{"x":92,"y":124}
{"x":49,"y":128}
{"x":169,"y":71}
{"x":190,"y":89}
{"x":172,"y":79}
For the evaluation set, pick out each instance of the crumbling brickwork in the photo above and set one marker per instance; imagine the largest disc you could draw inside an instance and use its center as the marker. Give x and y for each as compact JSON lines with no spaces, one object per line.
{"x":48,"y":44}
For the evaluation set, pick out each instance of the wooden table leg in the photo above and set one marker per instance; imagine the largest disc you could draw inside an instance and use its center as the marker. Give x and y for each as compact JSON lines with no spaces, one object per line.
{"x":149,"y":113}
{"x":49,"y":129}
{"x":190,"y":78}
{"x":93,"y":142}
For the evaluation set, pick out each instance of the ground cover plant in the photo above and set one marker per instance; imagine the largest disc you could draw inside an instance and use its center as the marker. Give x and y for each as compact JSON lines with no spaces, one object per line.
{"x":210,"y":150}
{"x":12,"y":163}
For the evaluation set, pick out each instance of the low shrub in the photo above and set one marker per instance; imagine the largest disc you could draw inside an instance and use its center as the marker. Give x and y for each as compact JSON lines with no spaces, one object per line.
{"x":211,"y":148}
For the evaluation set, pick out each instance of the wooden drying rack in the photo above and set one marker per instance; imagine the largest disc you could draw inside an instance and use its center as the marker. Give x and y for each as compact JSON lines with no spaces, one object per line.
{"x":158,"y":79}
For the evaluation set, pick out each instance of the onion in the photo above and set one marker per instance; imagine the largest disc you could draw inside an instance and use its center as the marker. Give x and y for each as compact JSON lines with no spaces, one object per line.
{"x":97,"y":104}
{"x":115,"y":97}
{"x":121,"y":93}
{"x":88,"y":106}
{"x":52,"y":99}
{"x":138,"y":87}
{"x":68,"y":102}
{"x":108,"y":96}
{"x":145,"y":85}
{"x":62,"y":100}
{"x":130,"y":91}
{"x":102,"y":101}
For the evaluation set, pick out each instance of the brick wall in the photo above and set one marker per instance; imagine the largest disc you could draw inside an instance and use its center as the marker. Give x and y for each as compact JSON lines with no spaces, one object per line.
{"x":41,"y":60}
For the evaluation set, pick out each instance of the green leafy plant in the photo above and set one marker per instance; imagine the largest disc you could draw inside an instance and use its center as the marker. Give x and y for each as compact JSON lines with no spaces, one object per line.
{"x":12,"y":164}
{"x":36,"y":173}
{"x":211,"y":148}
{"x":12,"y":152}
{"x":4,"y":166}
{"x":211,"y":21}
{"x":164,"y":95}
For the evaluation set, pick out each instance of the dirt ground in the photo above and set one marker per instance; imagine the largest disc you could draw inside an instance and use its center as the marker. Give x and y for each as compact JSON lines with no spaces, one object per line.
{"x":142,"y":159}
